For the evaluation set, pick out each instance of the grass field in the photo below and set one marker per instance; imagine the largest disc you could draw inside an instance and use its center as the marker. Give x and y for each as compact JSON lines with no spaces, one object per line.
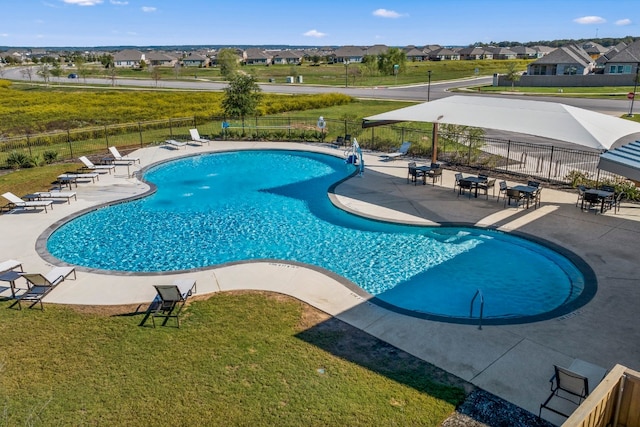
{"x":241,"y":359}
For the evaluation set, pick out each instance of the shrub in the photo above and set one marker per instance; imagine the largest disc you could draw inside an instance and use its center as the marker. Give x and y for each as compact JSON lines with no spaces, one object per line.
{"x":50,"y":156}
{"x":17,"y":160}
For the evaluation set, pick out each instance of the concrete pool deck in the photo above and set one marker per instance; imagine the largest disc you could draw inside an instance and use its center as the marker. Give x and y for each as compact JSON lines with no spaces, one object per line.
{"x":513,"y":362}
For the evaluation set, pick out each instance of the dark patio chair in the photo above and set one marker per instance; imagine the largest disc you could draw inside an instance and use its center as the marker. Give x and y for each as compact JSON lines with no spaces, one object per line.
{"x":591,"y":200}
{"x":347,"y":139}
{"x":169,"y":301}
{"x":485,"y":186}
{"x":435,"y":175}
{"x":464,"y":185}
{"x":457,"y":181}
{"x":568,"y":386}
{"x":414,"y":173}
{"x":531,"y":183}
{"x":512,"y":194}
{"x":340,"y":141}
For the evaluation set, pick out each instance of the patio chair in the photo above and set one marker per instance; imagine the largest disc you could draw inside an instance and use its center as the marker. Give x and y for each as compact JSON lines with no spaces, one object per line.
{"x":415,"y":173}
{"x":170,"y":301}
{"x":347,"y":139}
{"x":25,"y":204}
{"x":591,"y":200}
{"x":339,"y":141}
{"x":532,"y":183}
{"x":195,"y":137}
{"x":40,"y":285}
{"x":485,"y":186}
{"x":502,"y":190}
{"x":88,"y":164}
{"x":120,"y":158}
{"x":568,"y":386}
{"x":512,"y":194}
{"x":464,"y":185}
{"x":402,"y":151}
{"x":581,"y":190}
{"x":458,"y":177}
{"x":435,"y":174}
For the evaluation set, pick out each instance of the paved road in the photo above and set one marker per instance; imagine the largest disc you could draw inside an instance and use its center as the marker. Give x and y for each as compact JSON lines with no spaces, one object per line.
{"x":436,"y":90}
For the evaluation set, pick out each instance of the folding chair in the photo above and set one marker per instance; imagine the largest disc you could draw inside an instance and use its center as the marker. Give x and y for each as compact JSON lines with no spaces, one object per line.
{"x":566,"y":385}
{"x":169,"y":301}
{"x":39,"y":285}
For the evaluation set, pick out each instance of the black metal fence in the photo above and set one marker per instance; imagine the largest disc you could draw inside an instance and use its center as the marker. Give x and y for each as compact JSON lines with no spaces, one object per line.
{"x":539,"y":161}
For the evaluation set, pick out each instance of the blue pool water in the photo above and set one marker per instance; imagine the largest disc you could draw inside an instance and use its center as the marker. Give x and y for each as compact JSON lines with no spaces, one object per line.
{"x":234,"y":206}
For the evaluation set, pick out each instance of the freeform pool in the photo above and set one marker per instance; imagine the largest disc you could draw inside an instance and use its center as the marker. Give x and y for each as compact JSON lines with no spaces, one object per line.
{"x":249,"y":205}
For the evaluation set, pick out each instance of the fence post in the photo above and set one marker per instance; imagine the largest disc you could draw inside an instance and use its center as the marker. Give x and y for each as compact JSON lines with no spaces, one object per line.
{"x":140,"y":133}
{"x":170,"y":129}
{"x":69,"y":142}
{"x":550,"y":163}
{"x":289,"y":129}
{"x":508,"y":153}
{"x":106,"y":135}
{"x":195,"y":124}
{"x":29,"y":145}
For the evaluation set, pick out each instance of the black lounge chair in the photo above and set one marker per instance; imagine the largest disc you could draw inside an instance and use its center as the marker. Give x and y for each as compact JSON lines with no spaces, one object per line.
{"x":39,"y":285}
{"x":170,"y":301}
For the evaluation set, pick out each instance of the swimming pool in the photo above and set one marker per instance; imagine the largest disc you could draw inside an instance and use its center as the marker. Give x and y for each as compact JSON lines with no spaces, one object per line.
{"x":249,"y":205}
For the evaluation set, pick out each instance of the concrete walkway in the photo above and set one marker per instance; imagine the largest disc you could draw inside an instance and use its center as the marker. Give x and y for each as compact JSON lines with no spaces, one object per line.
{"x":514,"y":362}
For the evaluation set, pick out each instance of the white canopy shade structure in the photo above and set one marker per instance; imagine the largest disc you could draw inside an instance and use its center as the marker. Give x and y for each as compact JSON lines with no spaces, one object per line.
{"x":539,"y":118}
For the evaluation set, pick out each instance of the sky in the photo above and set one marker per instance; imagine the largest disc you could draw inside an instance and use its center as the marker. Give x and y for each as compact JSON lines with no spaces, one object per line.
{"x":90,"y":23}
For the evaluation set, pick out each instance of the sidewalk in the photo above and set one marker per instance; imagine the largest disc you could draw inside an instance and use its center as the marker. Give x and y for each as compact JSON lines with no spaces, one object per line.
{"x":513,"y":362}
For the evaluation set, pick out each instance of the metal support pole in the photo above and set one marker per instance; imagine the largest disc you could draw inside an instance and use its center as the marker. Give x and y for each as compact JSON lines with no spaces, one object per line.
{"x":635,"y":88}
{"x":429,"y":86}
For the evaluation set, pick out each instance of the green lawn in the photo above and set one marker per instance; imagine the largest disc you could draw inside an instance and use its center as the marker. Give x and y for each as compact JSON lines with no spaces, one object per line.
{"x":238,"y":359}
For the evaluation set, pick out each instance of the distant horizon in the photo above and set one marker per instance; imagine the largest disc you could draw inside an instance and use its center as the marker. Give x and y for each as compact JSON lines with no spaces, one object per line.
{"x":275,"y":46}
{"x":145,"y":23}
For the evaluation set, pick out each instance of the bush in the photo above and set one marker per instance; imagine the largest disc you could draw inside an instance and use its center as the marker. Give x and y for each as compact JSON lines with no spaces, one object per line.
{"x":50,"y":156}
{"x":18,"y":160}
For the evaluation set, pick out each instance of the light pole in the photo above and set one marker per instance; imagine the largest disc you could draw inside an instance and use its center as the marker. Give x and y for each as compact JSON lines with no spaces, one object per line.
{"x":635,"y":88}
{"x":346,"y":73}
{"x":429,"y":86}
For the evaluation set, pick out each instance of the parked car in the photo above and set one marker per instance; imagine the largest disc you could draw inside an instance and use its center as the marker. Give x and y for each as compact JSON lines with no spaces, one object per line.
{"x":73,"y":76}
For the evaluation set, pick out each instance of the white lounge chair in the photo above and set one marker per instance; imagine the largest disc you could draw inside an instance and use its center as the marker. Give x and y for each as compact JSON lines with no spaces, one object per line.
{"x":25,"y":204}
{"x":172,"y":143}
{"x":10,"y":264}
{"x":120,"y":158}
{"x":195,"y":137}
{"x":402,"y":151}
{"x":53,"y":194}
{"x":97,"y":168}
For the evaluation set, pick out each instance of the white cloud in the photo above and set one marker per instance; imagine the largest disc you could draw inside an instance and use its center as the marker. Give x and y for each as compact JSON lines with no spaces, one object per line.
{"x":384,"y":13}
{"x":314,"y":33}
{"x":625,"y":21}
{"x":83,"y":2}
{"x":148,"y":9}
{"x":119,"y":3}
{"x":4,"y":35}
{"x":590,"y":20}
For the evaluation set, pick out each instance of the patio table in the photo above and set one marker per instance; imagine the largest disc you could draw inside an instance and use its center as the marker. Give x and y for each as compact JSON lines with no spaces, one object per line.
{"x":603,"y":195}
{"x":526,"y":189}
{"x":475,"y":181}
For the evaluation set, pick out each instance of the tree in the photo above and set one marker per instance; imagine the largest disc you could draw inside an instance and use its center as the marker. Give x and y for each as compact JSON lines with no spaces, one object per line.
{"x":155,"y":74}
{"x":228,"y":63}
{"x":56,"y":70}
{"x":241,"y":97}
{"x":512,"y":75}
{"x":45,"y":73}
{"x":393,"y":56}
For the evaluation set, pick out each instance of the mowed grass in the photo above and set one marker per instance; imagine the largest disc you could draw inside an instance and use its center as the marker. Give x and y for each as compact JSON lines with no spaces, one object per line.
{"x":238,"y":359}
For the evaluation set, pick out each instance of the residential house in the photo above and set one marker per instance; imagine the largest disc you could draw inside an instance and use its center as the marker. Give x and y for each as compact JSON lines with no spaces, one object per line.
{"x":503,"y":53}
{"x":284,"y":57}
{"x":594,"y":49}
{"x":347,"y":54}
{"x":195,"y":59}
{"x":128,"y":58}
{"x":542,"y":50}
{"x":376,"y":50}
{"x":416,"y":55}
{"x":565,"y":60}
{"x":626,"y":61}
{"x":471,"y":53}
{"x":160,"y":59}
{"x":444,"y":54}
{"x":256,"y":56}
{"x":524,"y":52}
